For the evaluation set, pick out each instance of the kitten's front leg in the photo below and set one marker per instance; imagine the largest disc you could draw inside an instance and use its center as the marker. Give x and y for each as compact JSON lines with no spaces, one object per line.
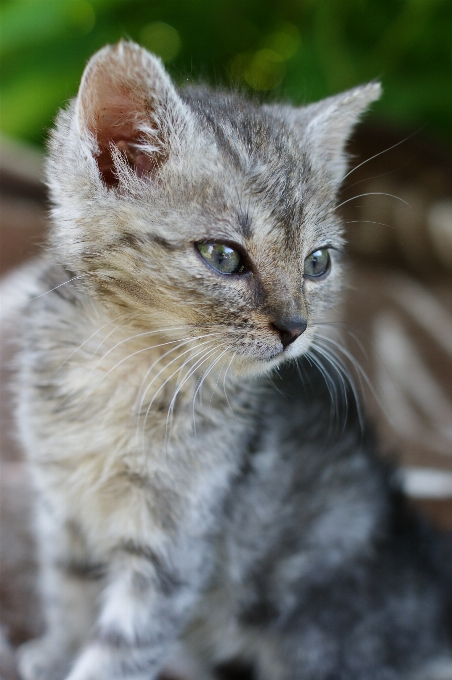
{"x":70,"y":586}
{"x":146,"y":605}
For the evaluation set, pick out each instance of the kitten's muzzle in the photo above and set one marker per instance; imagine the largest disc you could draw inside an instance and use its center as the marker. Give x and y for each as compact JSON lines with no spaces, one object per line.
{"x":289,"y":329}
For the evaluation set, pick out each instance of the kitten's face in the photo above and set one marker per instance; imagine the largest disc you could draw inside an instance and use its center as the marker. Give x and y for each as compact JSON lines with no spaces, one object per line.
{"x":202,"y":213}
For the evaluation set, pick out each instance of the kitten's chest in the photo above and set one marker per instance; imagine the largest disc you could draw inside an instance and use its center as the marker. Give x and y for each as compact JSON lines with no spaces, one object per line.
{"x":130,"y":429}
{"x":154,"y":400}
{"x":152,"y":420}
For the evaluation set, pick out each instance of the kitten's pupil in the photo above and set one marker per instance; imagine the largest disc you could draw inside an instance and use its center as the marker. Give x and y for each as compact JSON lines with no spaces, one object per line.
{"x":317,"y":263}
{"x":222,"y":258}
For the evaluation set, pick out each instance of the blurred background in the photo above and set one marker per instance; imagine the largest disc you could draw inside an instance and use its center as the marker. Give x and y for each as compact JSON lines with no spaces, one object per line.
{"x":397,"y":203}
{"x":298,"y":49}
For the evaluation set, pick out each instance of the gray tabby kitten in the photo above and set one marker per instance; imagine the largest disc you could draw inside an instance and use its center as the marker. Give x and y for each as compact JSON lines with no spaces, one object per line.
{"x":182,"y":498}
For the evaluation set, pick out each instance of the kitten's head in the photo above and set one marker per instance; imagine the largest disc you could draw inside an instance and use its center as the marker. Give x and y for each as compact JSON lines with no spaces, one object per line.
{"x":202,"y":212}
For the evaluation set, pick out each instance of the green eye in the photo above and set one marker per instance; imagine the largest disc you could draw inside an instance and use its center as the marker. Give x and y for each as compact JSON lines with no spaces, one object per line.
{"x":221,"y":257}
{"x":317,"y":264}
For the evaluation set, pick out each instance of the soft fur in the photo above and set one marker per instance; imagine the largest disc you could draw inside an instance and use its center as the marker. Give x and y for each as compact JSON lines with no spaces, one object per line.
{"x":182,"y":497}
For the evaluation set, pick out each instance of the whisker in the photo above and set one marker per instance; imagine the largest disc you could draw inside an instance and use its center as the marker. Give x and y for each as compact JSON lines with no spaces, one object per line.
{"x":138,"y":351}
{"x":330,"y":384}
{"x":142,"y":392}
{"x":350,"y":172}
{"x":363,"y":375}
{"x":170,"y":377}
{"x":372,"y":193}
{"x":162,"y":344}
{"x":201,"y":381}
{"x":354,"y":362}
{"x":143,"y":429}
{"x":106,"y":338}
{"x":342,"y":369}
{"x":183,"y":342}
{"x":129,"y":356}
{"x":381,"y":224}
{"x":85,"y":341}
{"x":302,"y":370}
{"x":139,"y":335}
{"x":74,"y":278}
{"x":216,"y":383}
{"x":205,"y":357}
{"x":359,"y":369}
{"x":224,"y":383}
{"x":169,"y":417}
{"x":353,"y":334}
{"x":343,"y":376}
{"x":381,"y":174}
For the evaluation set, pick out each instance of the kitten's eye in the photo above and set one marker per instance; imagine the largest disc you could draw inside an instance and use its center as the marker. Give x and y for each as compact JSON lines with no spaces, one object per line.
{"x":221,"y":257}
{"x":317,"y":264}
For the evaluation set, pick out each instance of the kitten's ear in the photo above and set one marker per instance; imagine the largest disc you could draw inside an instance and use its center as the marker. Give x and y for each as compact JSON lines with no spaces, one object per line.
{"x":331,"y":121}
{"x":127,"y":103}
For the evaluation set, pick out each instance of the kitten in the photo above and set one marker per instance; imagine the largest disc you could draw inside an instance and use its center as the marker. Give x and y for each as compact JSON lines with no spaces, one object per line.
{"x":181,"y":495}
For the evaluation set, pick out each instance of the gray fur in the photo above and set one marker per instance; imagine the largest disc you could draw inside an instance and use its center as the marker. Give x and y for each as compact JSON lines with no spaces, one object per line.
{"x":179,"y":497}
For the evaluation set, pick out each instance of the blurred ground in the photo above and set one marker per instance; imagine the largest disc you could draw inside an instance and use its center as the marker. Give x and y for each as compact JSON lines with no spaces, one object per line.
{"x":397,"y":325}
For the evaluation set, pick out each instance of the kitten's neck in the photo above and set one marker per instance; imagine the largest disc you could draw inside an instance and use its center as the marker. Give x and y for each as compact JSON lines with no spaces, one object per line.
{"x":166,"y":368}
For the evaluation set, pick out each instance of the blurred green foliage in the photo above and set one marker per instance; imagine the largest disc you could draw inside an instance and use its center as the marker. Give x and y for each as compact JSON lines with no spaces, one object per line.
{"x":300,"y":49}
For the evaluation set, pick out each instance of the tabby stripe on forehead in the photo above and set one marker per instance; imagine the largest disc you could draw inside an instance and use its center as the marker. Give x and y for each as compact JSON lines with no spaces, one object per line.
{"x":244,"y":221}
{"x":134,"y":240}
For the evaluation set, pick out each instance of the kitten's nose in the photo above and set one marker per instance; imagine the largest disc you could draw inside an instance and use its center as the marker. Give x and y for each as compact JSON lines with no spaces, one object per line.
{"x":290,"y":329}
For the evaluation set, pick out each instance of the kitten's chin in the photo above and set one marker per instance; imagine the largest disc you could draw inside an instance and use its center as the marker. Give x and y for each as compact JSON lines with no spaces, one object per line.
{"x":246,"y":366}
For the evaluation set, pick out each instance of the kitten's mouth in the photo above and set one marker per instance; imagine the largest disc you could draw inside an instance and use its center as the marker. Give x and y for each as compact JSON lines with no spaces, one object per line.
{"x":267,"y":358}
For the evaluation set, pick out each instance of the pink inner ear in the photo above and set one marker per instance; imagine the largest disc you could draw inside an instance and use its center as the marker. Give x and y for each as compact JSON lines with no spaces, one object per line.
{"x":124,"y":94}
{"x":115,"y":119}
